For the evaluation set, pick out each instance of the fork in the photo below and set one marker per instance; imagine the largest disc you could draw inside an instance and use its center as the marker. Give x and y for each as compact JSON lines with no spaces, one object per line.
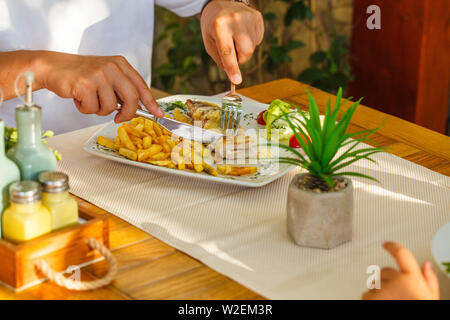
{"x":231,"y":111}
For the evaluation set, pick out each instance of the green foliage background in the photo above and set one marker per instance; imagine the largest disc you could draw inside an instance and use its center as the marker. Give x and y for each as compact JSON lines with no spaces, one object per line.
{"x":181,"y":64}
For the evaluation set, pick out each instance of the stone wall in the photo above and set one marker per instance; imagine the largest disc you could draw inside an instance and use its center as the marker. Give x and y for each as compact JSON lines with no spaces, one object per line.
{"x":331,"y":17}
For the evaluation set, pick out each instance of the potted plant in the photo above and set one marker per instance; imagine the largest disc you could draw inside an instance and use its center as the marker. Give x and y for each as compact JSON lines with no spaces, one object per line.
{"x":320,"y":201}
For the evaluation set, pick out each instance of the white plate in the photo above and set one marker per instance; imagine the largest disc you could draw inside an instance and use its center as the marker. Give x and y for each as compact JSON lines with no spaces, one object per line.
{"x":250,"y":109}
{"x":440,"y":247}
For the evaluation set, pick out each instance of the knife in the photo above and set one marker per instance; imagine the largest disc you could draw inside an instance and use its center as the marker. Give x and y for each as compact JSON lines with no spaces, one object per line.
{"x":181,"y":129}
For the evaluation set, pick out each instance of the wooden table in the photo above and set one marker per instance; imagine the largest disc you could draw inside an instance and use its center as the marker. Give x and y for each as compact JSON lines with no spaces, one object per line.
{"x":150,"y":269}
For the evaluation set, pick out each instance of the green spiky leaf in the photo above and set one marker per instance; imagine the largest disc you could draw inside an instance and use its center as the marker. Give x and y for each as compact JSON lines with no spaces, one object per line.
{"x":326,"y":138}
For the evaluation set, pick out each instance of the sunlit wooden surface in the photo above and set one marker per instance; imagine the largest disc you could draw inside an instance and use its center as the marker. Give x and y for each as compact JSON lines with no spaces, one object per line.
{"x":150,"y":269}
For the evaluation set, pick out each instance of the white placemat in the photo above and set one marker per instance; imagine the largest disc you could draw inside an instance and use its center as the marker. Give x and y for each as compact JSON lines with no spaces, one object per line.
{"x":241,"y":232}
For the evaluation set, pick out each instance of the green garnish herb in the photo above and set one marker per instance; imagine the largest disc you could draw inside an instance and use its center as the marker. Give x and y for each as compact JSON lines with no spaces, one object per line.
{"x":170,"y":106}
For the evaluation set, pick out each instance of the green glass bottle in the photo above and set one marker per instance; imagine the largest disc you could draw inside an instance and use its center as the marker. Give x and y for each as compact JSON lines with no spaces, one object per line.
{"x":9,"y":173}
{"x":30,"y":154}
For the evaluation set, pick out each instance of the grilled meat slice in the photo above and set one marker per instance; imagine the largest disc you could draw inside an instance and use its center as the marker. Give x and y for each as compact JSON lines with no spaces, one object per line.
{"x":208,"y":114}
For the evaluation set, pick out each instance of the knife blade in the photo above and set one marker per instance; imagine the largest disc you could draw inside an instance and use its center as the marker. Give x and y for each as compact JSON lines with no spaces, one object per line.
{"x":181,"y":129}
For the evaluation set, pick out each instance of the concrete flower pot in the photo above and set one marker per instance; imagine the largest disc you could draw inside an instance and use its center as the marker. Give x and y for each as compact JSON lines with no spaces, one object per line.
{"x":319,"y":220}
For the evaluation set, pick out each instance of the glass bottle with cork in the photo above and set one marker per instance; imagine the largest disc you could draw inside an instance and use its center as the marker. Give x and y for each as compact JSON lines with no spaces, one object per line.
{"x":30,"y":154}
{"x":26,"y":218}
{"x":9,"y":172}
{"x":56,"y":198}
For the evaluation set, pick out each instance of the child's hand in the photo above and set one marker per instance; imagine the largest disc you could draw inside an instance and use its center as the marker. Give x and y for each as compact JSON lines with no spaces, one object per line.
{"x":410,"y":283}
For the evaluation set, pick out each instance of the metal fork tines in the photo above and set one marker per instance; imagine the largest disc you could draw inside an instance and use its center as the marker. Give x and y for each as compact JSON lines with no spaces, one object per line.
{"x":231,"y":113}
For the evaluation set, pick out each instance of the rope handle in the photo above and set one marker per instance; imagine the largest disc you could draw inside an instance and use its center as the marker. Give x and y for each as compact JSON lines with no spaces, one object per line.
{"x":70,"y":284}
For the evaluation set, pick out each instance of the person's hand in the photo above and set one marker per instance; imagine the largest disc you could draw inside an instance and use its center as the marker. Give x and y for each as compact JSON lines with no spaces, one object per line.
{"x":231,"y":31}
{"x":410,"y":283}
{"x":96,"y":84}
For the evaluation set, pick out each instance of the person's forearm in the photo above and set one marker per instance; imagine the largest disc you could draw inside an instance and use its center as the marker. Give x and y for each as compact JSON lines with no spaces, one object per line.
{"x":95,"y":83}
{"x":12,"y":63}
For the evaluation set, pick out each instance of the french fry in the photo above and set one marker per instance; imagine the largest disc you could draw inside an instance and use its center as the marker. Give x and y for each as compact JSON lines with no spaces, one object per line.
{"x":168,"y":138}
{"x":134,"y":122}
{"x":198,"y":168}
{"x":206,"y":153}
{"x":138,"y":120}
{"x":160,"y":139}
{"x":144,"y":154}
{"x":125,"y":139}
{"x":198,"y":152}
{"x":129,"y":154}
{"x":147,"y":142}
{"x":133,"y":131}
{"x":167,"y":116}
{"x":246,"y":170}
{"x":141,"y":120}
{"x":236,"y":171}
{"x":148,"y":127}
{"x":166,"y":147}
{"x":171,"y":142}
{"x":153,"y":135}
{"x":107,"y":143}
{"x":172,"y":165}
{"x":139,"y":127}
{"x":208,"y":168}
{"x":165,"y":131}
{"x":161,"y":163}
{"x":187,"y":151}
{"x":135,"y":139}
{"x":137,"y":142}
{"x":140,"y":155}
{"x":179,"y":116}
{"x":117,"y":141}
{"x":181,"y":164}
{"x":157,"y":129}
{"x":224,"y":169}
{"x":159,"y":156}
{"x":148,"y":124}
{"x":154,"y":149}
{"x":196,"y":155}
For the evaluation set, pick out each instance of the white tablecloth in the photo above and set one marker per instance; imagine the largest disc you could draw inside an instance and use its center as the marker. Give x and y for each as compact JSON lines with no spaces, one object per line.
{"x":241,"y":232}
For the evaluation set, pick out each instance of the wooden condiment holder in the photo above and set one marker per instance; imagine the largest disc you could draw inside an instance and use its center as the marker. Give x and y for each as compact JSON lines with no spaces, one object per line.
{"x":60,"y":249}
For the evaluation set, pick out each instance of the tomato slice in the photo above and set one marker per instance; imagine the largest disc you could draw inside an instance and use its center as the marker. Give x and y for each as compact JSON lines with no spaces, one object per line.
{"x":260,"y":118}
{"x":293,"y":142}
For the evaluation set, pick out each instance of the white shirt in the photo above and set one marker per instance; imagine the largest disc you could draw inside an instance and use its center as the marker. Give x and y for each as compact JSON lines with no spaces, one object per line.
{"x":94,"y":27}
